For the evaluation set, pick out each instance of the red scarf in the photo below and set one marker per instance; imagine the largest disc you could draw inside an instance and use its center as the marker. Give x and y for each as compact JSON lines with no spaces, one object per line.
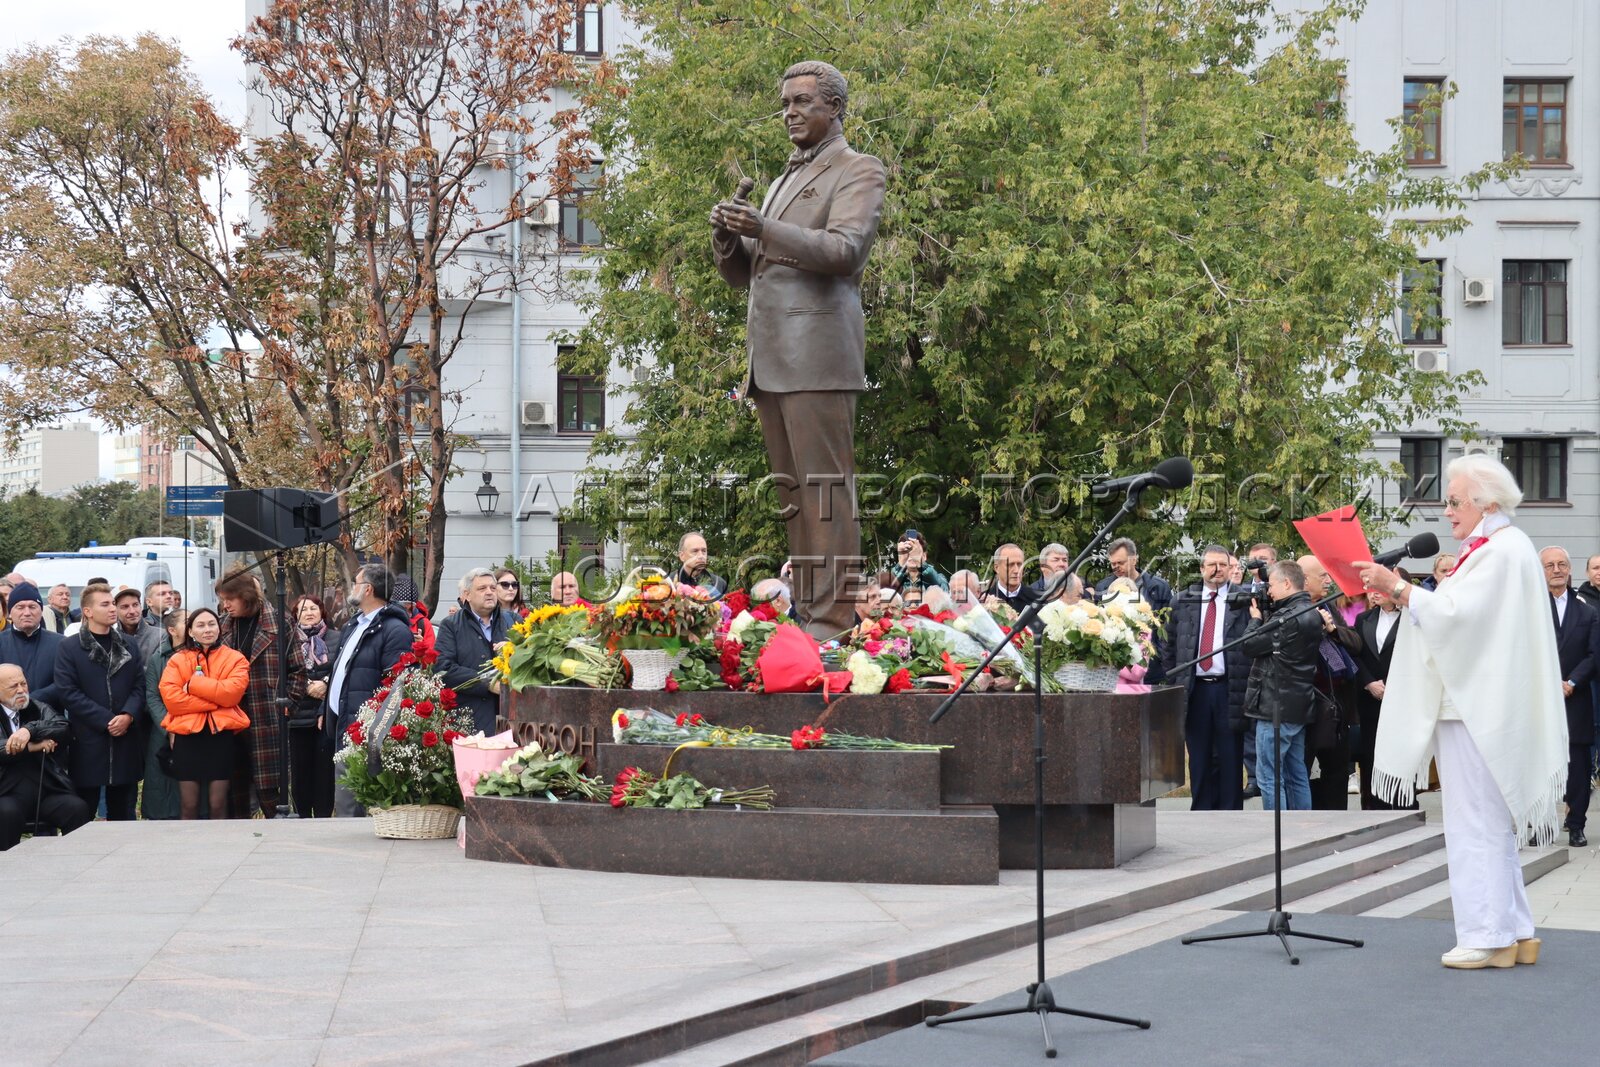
{"x":1473,"y":544}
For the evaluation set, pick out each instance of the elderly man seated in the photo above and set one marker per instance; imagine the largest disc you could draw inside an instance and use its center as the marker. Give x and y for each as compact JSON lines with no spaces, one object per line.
{"x":33,"y":785}
{"x":966,"y":591}
{"x":774,"y":592}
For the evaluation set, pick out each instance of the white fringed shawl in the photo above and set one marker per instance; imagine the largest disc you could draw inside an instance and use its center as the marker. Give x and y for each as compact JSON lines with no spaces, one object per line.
{"x":1486,"y":639}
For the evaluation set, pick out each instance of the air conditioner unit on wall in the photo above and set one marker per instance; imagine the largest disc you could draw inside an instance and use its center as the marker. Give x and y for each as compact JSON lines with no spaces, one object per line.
{"x":1433,"y":360}
{"x":538,"y":413}
{"x":1478,"y":290}
{"x":544,"y":213}
{"x":1484,"y":446}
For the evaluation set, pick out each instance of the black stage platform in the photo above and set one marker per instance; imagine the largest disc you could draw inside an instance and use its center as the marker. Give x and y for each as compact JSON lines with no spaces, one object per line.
{"x":1241,"y":1003}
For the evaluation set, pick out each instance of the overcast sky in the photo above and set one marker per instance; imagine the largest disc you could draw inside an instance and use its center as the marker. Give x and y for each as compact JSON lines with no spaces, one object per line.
{"x":202,"y":29}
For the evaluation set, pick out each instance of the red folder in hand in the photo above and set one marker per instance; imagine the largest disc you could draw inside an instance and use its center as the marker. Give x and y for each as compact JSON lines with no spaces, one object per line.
{"x":1336,"y":539}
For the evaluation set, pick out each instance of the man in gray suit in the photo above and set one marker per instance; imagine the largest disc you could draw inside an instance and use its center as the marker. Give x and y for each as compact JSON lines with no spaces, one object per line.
{"x":801,"y":256}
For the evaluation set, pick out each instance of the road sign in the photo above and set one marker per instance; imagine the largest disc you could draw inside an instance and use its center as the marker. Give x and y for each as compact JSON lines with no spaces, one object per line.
{"x":195,"y":500}
{"x":196,"y":492}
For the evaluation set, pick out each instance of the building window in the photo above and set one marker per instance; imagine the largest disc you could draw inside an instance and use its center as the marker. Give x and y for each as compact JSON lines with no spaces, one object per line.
{"x":583,"y":36}
{"x":580,"y":401}
{"x":578,"y":230}
{"x":578,"y":545}
{"x":1420,"y":456}
{"x":1534,"y":311}
{"x":1534,"y":121}
{"x":1422,"y":303}
{"x":1540,"y":467}
{"x":1424,"y":115}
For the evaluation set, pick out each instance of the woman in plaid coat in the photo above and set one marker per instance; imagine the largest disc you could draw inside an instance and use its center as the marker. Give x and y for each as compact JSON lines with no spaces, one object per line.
{"x":250,"y":627}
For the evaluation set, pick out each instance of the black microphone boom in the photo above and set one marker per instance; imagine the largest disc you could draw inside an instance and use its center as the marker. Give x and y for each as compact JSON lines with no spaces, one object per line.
{"x":1421,"y":546}
{"x":1174,"y":473}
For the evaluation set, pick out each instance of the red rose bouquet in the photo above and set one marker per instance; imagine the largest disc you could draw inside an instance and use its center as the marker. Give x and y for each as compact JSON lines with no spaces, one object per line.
{"x":418,"y":718}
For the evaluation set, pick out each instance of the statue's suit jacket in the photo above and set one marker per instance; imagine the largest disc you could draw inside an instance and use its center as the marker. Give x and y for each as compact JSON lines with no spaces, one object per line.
{"x":805,"y":329}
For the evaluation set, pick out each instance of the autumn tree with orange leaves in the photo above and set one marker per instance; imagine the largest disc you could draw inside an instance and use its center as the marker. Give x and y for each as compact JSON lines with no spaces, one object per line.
{"x":406,"y":139}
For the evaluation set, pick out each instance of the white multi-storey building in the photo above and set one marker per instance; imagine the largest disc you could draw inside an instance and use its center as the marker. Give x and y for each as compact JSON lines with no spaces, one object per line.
{"x":52,"y":460}
{"x":1520,"y":287}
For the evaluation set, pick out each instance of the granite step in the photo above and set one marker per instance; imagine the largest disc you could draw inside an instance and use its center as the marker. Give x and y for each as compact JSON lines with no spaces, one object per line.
{"x":1340,"y":868}
{"x":1432,"y":901}
{"x":816,"y":778}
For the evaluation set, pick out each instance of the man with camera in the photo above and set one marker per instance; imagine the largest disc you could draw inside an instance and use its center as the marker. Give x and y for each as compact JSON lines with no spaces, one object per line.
{"x":1285,"y":649}
{"x":1204,"y":618}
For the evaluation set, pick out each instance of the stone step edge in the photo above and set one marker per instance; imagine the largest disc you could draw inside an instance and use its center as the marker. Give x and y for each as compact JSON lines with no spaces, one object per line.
{"x":850,"y":984}
{"x":1308,"y":879}
{"x":800,"y":1039}
{"x":1536,"y":863}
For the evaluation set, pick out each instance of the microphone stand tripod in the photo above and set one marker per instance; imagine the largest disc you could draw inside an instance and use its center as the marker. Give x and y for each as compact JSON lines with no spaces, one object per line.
{"x":1278,"y":921}
{"x":1041,"y":1000}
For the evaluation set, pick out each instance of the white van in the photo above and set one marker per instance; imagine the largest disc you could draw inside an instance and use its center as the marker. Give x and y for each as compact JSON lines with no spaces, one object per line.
{"x":192,"y":570}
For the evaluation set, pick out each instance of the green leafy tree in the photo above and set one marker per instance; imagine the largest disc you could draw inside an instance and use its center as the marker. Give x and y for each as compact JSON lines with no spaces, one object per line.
{"x":1114,"y":232}
{"x":107,"y":513}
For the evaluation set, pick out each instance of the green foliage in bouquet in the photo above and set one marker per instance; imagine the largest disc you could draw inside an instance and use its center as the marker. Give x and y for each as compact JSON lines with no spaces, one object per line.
{"x":532,"y":772}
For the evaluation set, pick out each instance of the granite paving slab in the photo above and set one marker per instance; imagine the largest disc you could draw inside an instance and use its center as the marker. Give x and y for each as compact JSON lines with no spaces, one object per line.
{"x":316,"y":942}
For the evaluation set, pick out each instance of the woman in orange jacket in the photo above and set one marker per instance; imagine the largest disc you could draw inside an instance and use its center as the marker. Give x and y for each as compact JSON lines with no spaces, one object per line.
{"x":201,"y":688}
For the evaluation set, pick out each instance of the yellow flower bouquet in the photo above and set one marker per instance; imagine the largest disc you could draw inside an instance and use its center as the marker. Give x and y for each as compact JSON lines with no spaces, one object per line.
{"x":551,"y":646}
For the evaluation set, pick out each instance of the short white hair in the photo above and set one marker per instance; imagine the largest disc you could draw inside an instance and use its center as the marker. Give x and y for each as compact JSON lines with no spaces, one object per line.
{"x":768,"y":589}
{"x":1489,"y":482}
{"x":1053,"y":547}
{"x":473,"y":575}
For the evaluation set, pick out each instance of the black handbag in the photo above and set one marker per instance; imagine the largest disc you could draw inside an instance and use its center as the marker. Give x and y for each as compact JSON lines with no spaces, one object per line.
{"x":164,"y":760}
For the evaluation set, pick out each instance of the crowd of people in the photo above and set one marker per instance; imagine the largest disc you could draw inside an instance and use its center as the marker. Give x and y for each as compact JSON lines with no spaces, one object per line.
{"x":128,"y":700}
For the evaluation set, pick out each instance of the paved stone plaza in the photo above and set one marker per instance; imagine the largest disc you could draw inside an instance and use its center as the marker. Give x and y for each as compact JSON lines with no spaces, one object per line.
{"x":316,"y":943}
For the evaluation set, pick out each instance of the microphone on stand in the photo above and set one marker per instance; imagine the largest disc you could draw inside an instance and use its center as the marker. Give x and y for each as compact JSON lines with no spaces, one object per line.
{"x":1421,"y":546}
{"x":1174,"y":473}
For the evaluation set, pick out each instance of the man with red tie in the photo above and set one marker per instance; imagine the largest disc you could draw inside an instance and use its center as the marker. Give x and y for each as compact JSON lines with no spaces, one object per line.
{"x":1215,"y":686}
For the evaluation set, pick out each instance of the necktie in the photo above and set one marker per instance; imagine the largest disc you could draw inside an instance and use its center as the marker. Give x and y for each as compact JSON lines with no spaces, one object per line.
{"x":1208,"y":636}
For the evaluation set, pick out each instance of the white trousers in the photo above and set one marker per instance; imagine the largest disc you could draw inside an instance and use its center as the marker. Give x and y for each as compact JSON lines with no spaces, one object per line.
{"x":1486,"y":891}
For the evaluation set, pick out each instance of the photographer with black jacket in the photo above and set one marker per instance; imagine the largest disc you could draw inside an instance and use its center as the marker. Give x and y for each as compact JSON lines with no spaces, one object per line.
{"x":1283,"y":684}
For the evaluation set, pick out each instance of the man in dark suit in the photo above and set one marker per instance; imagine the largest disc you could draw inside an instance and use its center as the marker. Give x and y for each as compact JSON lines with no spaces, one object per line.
{"x":1377,"y":627}
{"x":1006,"y":586}
{"x":33,"y":785}
{"x":1578,"y":644}
{"x":1215,"y":686}
{"x":802,"y":256}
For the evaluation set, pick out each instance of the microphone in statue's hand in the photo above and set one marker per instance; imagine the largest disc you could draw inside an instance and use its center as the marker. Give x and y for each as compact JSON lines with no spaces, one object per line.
{"x":743,"y":189}
{"x":1421,"y":546}
{"x":1174,"y":473}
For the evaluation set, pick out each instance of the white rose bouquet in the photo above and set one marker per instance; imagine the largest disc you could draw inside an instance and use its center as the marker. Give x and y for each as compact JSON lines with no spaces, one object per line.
{"x":1115,"y":633}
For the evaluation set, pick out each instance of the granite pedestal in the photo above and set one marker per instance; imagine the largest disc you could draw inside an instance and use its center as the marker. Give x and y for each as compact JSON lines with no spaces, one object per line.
{"x":1107,"y":755}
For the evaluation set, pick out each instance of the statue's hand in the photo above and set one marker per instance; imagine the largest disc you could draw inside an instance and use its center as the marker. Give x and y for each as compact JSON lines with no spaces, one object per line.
{"x":738,"y":218}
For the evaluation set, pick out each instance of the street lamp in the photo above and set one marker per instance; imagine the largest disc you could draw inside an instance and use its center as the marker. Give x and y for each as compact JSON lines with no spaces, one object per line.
{"x":488,"y":496}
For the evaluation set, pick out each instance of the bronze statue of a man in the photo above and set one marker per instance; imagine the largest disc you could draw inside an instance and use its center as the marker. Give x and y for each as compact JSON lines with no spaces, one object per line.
{"x":801,"y":256}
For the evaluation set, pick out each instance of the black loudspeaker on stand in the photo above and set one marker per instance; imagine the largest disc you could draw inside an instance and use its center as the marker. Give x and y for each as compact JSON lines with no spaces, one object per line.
{"x":1278,"y":921}
{"x":1174,"y":473}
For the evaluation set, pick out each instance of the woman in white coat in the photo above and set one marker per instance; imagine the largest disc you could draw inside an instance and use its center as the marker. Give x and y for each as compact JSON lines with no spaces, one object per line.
{"x":1475,"y":683}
